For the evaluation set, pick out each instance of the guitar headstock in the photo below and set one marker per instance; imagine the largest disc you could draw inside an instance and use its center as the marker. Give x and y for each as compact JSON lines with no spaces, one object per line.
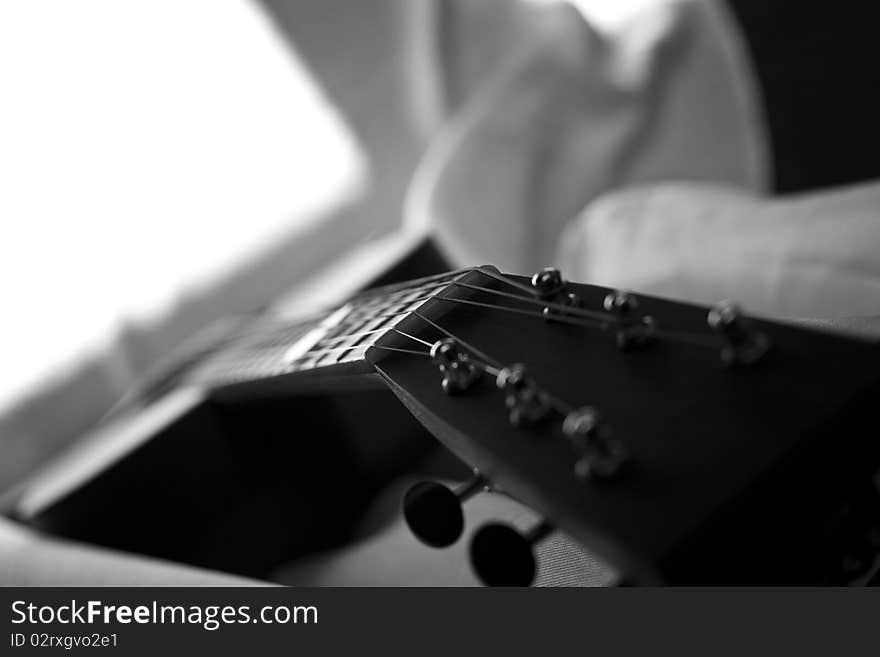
{"x":680,"y":443}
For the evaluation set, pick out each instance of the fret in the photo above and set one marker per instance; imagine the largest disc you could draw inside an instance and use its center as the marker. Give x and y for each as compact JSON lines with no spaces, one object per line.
{"x":342,"y":336}
{"x":386,"y":313}
{"x":256,"y":352}
{"x":376,"y":328}
{"x":388,"y":291}
{"x":339,"y":348}
{"x":410,"y":301}
{"x":272,"y":346}
{"x":382,"y":305}
{"x":299,"y":350}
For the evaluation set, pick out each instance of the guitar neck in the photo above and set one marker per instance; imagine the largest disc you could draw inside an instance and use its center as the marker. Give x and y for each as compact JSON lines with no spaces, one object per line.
{"x":271,"y":346}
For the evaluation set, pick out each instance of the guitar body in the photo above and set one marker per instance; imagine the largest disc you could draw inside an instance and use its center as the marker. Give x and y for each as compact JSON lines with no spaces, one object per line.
{"x":678,"y":450}
{"x":242,"y":473}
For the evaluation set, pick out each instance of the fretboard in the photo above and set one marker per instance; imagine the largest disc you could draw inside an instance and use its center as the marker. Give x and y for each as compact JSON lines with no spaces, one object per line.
{"x":271,"y":346}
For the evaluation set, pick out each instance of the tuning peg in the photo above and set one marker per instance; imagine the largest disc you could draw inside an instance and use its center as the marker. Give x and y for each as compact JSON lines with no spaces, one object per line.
{"x":502,"y":556}
{"x":526,"y":402}
{"x":433,"y":511}
{"x":743,"y":344}
{"x":552,"y":287}
{"x":601,"y":456}
{"x":632,"y":329}
{"x":548,"y":282}
{"x":458,"y":371}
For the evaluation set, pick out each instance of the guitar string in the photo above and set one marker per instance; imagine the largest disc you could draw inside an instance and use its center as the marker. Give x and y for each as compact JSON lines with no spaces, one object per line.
{"x":405,"y":351}
{"x":366,"y":308}
{"x":322,"y":352}
{"x":503,"y":279}
{"x":394,"y":296}
{"x":574,"y":316}
{"x":356,"y":317}
{"x":672,"y":336}
{"x":384,"y":298}
{"x":395,"y":288}
{"x":461,"y":341}
{"x":571,"y":310}
{"x":553,"y":401}
{"x":412,"y":337}
{"x":411,"y":284}
{"x":362,"y":313}
{"x":558,"y":404}
{"x":369,"y":298}
{"x":319,"y":352}
{"x":382,"y":295}
{"x":680,"y":336}
{"x":589,"y":319}
{"x":585,"y":318}
{"x":349,"y":336}
{"x":599,"y":319}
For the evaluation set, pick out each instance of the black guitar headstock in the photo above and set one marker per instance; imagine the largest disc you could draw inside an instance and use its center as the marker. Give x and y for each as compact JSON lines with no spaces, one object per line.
{"x":681,"y":443}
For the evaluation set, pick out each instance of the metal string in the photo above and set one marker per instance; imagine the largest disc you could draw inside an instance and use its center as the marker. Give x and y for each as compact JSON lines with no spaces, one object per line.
{"x":555,"y":402}
{"x":672,"y":336}
{"x":568,"y":314}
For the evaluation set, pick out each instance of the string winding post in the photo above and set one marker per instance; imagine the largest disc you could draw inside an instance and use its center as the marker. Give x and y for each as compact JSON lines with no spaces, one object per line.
{"x":526,"y":402}
{"x":601,"y":456}
{"x":551,"y":287}
{"x":744,"y":345}
{"x":632,"y":329}
{"x":458,"y":371}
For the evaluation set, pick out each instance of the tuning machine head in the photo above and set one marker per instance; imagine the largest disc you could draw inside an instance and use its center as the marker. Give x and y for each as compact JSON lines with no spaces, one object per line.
{"x":548,"y":282}
{"x":433,"y":511}
{"x":459,"y":373}
{"x":620,"y":302}
{"x":633,"y":330}
{"x":744,"y":345}
{"x":501,"y":556}
{"x":553,"y":288}
{"x":601,"y":456}
{"x":526,"y":402}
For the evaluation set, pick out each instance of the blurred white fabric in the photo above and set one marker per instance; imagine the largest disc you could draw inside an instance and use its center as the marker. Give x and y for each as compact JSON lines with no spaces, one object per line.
{"x":810,"y":255}
{"x":574,"y":112}
{"x":148,"y":149}
{"x":646,"y":138}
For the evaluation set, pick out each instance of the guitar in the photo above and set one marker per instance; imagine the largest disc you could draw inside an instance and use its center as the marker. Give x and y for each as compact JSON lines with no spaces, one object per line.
{"x":682,"y":444}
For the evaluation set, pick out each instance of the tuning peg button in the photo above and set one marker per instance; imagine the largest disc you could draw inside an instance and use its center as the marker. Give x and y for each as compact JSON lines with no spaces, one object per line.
{"x":501,"y":556}
{"x":433,"y":511}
